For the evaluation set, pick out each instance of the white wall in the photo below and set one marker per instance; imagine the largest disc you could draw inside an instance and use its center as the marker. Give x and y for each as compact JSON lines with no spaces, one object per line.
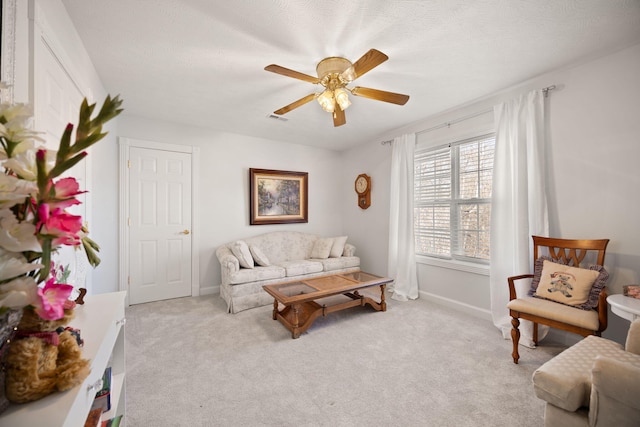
{"x":225,"y":160}
{"x":594,"y":140}
{"x":368,"y":229}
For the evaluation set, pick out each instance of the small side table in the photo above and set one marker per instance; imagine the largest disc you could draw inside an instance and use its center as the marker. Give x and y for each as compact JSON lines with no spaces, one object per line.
{"x":625,"y":307}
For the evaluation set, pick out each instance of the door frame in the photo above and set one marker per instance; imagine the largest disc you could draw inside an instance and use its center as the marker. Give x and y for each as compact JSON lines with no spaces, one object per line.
{"x":125,"y":144}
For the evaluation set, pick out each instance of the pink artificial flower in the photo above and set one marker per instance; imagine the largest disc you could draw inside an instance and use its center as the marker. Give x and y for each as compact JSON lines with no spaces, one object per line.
{"x":52,"y":299}
{"x":41,"y":154}
{"x":62,"y":226}
{"x":67,"y":187}
{"x":65,"y":191}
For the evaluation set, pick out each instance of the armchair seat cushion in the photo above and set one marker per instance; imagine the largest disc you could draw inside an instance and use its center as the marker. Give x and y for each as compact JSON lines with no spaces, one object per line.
{"x":587,"y":319}
{"x":565,"y":380}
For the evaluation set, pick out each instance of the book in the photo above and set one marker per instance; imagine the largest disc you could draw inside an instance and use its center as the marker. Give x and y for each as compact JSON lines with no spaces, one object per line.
{"x":113,"y":422}
{"x":93,"y":419}
{"x":632,"y":291}
{"x":103,"y":396}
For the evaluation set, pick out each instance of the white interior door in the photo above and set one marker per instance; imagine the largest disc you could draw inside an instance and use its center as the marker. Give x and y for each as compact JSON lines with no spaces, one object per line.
{"x":160,"y":225}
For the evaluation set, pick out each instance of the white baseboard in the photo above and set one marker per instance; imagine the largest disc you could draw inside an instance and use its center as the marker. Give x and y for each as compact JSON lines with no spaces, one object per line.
{"x":457,"y":305}
{"x":210,"y":290}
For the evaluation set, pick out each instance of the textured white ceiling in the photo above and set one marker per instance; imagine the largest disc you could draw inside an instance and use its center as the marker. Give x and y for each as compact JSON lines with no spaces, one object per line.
{"x":201,"y":62}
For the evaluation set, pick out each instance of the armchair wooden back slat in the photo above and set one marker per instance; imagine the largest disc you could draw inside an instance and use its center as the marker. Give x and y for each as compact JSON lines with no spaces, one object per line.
{"x":570,"y":252}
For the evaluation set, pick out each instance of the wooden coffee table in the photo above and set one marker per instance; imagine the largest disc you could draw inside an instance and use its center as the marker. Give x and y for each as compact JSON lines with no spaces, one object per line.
{"x":300,"y":299}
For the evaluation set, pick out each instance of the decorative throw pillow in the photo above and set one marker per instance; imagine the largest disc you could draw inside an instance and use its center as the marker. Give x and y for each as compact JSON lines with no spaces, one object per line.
{"x":537,"y":271}
{"x":241,"y":251}
{"x":338,"y":246}
{"x":322,"y":248}
{"x":565,"y":284}
{"x":258,"y":256}
{"x":596,"y":289}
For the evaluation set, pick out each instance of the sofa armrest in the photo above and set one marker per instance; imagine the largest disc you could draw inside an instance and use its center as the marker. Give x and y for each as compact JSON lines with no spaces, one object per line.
{"x":349,"y":250}
{"x":229,"y":264}
{"x":615,"y":387}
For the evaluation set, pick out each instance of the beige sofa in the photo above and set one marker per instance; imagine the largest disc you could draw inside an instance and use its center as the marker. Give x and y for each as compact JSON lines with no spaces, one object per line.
{"x":593,"y":383}
{"x":281,"y":256}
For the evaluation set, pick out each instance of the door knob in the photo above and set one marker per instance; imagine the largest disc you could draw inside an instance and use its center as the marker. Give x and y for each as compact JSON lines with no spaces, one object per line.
{"x":184,"y":232}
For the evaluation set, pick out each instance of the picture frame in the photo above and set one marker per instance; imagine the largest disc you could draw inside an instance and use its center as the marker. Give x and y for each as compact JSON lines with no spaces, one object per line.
{"x":277,"y":197}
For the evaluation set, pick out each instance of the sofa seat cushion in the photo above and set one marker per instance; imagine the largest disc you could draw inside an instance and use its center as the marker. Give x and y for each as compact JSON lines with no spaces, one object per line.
{"x":331,"y":264}
{"x":565,"y":380}
{"x":300,"y":267}
{"x":587,"y":319}
{"x":255,"y":274}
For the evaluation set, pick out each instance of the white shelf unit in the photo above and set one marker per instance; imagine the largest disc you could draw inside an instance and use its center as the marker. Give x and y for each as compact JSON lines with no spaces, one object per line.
{"x":101,"y":322}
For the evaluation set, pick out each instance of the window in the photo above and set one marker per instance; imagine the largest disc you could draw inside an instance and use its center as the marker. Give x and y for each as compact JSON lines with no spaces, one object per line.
{"x":453,"y":200}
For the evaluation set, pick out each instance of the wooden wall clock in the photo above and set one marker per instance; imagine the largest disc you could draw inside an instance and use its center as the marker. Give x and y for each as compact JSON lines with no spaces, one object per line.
{"x":363,"y":189}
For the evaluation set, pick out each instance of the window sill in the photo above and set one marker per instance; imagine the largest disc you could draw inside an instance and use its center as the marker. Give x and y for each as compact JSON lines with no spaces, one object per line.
{"x":468,"y":267}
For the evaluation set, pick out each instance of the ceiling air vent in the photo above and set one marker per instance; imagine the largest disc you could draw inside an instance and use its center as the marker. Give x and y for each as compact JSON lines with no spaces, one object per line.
{"x":277,"y":117}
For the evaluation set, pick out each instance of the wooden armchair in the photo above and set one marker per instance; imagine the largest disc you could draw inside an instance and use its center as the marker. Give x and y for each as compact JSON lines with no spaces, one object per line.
{"x":555,"y":314}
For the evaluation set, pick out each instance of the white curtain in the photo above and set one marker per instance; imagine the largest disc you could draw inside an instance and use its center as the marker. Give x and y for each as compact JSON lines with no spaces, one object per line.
{"x":518,"y":203}
{"x":402,"y":263}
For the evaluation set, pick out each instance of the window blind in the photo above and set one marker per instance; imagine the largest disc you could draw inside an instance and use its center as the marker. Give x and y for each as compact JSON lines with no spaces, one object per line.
{"x":452,"y":190}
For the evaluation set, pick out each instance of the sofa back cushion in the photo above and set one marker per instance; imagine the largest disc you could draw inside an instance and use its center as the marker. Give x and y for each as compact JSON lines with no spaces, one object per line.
{"x":337,"y":248}
{"x":258,"y":256}
{"x":241,"y":251}
{"x":322,"y":248}
{"x":280,"y":246}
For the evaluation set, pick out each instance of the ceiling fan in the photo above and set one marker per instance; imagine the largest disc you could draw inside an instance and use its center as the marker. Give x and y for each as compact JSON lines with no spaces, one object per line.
{"x":334,"y":74}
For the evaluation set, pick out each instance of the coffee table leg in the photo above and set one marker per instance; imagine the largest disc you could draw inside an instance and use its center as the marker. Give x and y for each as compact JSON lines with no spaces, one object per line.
{"x":296,"y":321}
{"x":275,"y":309}
{"x":383,"y":303}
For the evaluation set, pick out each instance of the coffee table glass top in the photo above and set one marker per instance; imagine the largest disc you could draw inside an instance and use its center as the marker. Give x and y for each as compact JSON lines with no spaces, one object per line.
{"x":294,"y":288}
{"x":360,"y":276}
{"x":296,"y":291}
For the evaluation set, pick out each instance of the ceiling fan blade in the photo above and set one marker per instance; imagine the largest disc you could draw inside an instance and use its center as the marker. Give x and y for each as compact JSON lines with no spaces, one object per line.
{"x":338,"y":116}
{"x":290,"y":73}
{"x":295,"y":104}
{"x":380,"y":95}
{"x":368,"y":61}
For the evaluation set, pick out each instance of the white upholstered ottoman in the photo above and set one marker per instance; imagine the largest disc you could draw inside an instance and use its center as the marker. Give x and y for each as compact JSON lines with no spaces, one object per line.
{"x":565,"y":380}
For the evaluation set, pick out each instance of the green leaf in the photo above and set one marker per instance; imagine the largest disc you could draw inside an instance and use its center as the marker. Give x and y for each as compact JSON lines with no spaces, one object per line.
{"x":65,"y":142}
{"x":42,"y":178}
{"x":60,"y":168}
{"x":43,"y":273}
{"x":89,"y":246}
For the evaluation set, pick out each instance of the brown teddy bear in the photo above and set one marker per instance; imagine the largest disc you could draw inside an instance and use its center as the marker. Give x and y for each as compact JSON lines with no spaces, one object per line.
{"x":43,"y":357}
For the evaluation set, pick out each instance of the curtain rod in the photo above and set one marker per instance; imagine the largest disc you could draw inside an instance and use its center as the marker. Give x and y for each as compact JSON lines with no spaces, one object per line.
{"x":545,"y":92}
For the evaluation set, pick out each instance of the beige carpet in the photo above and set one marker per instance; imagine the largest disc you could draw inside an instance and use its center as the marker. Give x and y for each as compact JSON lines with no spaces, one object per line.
{"x":189,"y":363}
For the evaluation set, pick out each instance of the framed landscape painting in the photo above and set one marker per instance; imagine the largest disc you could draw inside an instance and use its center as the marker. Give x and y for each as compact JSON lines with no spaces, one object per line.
{"x":277,"y":197}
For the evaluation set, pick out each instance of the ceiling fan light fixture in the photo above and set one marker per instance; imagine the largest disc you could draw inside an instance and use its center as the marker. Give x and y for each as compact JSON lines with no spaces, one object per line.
{"x":332,"y":65}
{"x":342,"y":98}
{"x":334,"y":75}
{"x":327,"y":101}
